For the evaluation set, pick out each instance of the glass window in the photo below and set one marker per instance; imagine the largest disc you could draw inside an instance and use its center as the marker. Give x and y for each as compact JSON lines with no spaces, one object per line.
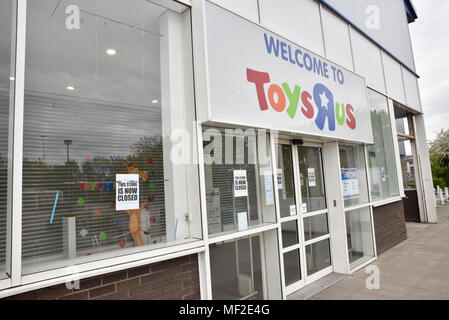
{"x":7,"y":78}
{"x":289,"y":233}
{"x":359,"y":236}
{"x":292,"y":267}
{"x":353,"y":175}
{"x":236,"y":271}
{"x":381,"y":155}
{"x":318,"y":256}
{"x":315,"y":226}
{"x":237,"y":165}
{"x":98,"y":98}
{"x":312,"y":179}
{"x":285,"y":181}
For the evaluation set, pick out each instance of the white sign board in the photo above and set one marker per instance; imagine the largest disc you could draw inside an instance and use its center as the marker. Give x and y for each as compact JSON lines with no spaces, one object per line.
{"x":127,"y":192}
{"x":240,"y":184}
{"x":278,"y":85}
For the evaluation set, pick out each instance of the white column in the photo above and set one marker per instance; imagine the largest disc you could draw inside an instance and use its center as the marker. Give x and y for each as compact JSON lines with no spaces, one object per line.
{"x":180,"y":153}
{"x":424,"y":174}
{"x":337,"y":223}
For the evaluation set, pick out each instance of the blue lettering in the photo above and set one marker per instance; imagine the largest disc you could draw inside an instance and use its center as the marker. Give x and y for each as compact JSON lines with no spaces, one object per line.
{"x":284,"y":51}
{"x":326,"y":70}
{"x":271,"y":46}
{"x":290,"y":55}
{"x":309,"y":65}
{"x":297,"y":53}
{"x":340,"y":76}
{"x":317,"y":66}
{"x":324,"y":100}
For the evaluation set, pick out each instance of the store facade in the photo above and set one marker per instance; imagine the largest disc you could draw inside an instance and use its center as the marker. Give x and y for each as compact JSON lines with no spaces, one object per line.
{"x":199,"y":149}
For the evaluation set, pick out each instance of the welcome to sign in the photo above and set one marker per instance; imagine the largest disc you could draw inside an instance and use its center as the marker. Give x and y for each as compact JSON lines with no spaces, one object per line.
{"x":259,"y":79}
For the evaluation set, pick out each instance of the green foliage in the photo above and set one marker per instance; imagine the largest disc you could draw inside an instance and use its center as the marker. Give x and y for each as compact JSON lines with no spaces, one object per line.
{"x":439,"y":159}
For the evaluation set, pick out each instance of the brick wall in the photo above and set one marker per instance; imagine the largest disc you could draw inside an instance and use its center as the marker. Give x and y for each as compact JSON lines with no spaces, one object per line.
{"x":389,"y":226}
{"x":174,"y":279}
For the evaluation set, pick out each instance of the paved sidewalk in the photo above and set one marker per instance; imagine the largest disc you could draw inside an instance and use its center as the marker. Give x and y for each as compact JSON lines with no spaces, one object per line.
{"x":417,"y":268}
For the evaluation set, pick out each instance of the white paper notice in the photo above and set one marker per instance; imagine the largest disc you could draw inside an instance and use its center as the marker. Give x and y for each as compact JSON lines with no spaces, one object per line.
{"x":304,"y":207}
{"x":292,"y":210}
{"x":242,"y":221}
{"x":127,"y":192}
{"x":240,"y":184}
{"x":269,"y":194}
{"x":280,"y":179}
{"x":312,"y":179}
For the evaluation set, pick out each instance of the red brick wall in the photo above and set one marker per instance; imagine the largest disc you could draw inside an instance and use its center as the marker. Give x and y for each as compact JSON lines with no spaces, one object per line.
{"x":389,"y":226}
{"x":174,"y":279}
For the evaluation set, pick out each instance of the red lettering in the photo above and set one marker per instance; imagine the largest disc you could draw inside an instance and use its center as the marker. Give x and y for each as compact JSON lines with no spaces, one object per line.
{"x":259,"y":79}
{"x":351,"y":119}
{"x":308,"y":111}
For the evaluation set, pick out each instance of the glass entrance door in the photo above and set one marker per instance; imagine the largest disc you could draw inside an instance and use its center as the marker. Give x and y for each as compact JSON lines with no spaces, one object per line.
{"x":304,"y":214}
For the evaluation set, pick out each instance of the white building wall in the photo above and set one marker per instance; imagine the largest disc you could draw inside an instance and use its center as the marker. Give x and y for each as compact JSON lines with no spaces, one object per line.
{"x":411,"y":90}
{"x":393,"y":79}
{"x":297,"y":20}
{"x":336,"y":39}
{"x":368,"y":61}
{"x":246,"y":8}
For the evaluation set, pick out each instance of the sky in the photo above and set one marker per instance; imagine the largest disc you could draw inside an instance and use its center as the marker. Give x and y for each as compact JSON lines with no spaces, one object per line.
{"x":430,"y":43}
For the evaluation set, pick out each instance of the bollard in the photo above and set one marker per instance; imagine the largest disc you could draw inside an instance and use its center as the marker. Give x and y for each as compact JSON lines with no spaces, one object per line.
{"x":440,"y":195}
{"x":446,"y":192}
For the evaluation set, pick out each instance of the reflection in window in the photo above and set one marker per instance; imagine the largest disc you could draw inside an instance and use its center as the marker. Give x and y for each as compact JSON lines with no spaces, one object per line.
{"x":95,"y":108}
{"x":312,"y":179}
{"x":7,"y":78}
{"x":285,"y":181}
{"x":315,"y":227}
{"x":353,"y":175}
{"x":359,"y":236}
{"x":236,"y":269}
{"x":381,"y":156}
{"x":318,"y":256}
{"x":239,"y":179}
{"x":292,"y":267}
{"x":289,"y":233}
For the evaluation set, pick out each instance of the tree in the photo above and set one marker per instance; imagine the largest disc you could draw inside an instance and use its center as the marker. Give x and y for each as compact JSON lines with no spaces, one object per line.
{"x":439,"y":159}
{"x":441,"y":143}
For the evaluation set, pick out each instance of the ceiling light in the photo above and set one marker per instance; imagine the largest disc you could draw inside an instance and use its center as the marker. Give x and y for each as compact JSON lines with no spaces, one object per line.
{"x":70,"y":88}
{"x":12,"y":78}
{"x":111,"y":52}
{"x":155,"y":101}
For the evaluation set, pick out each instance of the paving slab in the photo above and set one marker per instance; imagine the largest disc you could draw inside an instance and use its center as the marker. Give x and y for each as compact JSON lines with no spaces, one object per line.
{"x":416,"y":269}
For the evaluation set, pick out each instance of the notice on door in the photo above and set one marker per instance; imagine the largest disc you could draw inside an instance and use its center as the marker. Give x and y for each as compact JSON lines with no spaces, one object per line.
{"x":312,"y":178}
{"x":350,"y":182}
{"x":127,"y":192}
{"x":240,"y":184}
{"x":269,"y":194}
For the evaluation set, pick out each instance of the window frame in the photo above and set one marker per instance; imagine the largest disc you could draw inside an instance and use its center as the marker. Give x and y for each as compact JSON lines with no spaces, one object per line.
{"x":395,"y":148}
{"x":19,"y":283}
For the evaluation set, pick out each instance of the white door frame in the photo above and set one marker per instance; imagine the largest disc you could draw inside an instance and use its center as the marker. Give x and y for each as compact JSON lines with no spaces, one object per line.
{"x":299,"y":218}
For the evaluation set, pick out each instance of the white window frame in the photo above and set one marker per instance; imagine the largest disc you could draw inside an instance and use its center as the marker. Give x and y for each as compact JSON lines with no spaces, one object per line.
{"x":19,"y":283}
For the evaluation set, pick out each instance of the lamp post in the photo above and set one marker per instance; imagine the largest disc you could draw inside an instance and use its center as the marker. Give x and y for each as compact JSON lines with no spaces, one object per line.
{"x":68,"y":143}
{"x":43,"y":147}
